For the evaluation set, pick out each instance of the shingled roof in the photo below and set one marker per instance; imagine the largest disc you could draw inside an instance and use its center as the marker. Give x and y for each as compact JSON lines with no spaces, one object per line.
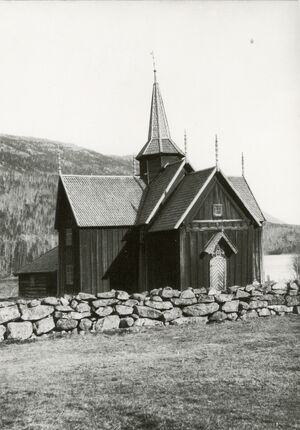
{"x":103,"y":201}
{"x":241,"y":186}
{"x":45,"y":263}
{"x":180,"y":200}
{"x":158,"y":190}
{"x":188,"y":191}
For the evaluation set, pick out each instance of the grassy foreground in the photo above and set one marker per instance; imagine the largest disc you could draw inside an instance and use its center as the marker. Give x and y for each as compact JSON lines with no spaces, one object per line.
{"x":240,"y":375}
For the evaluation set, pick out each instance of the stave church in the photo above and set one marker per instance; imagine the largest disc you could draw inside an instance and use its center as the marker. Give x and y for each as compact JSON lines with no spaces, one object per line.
{"x":167,"y":226}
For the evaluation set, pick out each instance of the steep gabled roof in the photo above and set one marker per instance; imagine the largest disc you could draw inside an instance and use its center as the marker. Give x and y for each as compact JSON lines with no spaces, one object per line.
{"x":159,"y":189}
{"x":241,"y":186}
{"x":182,"y":199}
{"x":189,"y":190}
{"x":103,"y":201}
{"x":45,"y":263}
{"x":159,"y":138}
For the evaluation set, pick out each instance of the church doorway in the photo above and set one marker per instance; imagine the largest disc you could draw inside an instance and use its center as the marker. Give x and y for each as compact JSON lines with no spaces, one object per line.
{"x":218,"y":269}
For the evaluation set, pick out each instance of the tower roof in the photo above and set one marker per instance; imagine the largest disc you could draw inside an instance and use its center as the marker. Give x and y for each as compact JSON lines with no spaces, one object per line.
{"x":159,"y":138}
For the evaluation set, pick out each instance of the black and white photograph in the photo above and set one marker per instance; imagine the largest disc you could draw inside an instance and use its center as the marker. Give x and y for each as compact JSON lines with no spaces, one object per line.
{"x":149,"y":215}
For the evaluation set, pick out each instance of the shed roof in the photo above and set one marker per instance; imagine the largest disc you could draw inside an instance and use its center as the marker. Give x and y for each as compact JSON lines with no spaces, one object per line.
{"x":47,"y":262}
{"x":103,"y":201}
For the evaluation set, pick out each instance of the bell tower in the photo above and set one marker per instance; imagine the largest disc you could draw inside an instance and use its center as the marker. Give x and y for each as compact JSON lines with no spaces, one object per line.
{"x":159,"y":148}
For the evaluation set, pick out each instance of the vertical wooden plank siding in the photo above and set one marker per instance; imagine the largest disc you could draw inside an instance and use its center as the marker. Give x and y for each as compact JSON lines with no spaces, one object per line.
{"x":163,"y":259}
{"x":106,"y":260}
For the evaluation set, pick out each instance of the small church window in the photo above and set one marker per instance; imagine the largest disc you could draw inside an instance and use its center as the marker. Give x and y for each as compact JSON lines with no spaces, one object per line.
{"x":217,"y":209}
{"x":68,"y":237}
{"x":69,"y":274}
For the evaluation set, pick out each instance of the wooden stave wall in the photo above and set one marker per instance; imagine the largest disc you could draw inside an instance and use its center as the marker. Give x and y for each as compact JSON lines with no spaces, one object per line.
{"x":98,"y":252}
{"x":242,"y":268}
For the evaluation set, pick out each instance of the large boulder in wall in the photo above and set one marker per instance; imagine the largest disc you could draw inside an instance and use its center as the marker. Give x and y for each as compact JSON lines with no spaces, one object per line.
{"x":110,"y":322}
{"x":146,"y":312}
{"x":19,"y":330}
{"x":44,"y":326}
{"x":9,"y":313}
{"x":201,"y":309}
{"x":36,"y":313}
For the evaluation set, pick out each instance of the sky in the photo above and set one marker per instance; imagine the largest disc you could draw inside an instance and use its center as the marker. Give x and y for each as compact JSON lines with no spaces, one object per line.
{"x":81,"y":72}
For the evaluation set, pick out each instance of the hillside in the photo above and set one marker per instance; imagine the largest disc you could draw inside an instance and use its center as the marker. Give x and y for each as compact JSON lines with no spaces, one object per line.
{"x":28,"y":181}
{"x":281,"y":238}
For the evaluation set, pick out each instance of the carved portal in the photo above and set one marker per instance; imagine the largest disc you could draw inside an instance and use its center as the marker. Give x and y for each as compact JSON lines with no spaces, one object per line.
{"x":218,"y":266}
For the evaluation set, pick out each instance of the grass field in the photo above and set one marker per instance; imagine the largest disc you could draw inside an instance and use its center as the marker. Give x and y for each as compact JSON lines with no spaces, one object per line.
{"x":240,"y":375}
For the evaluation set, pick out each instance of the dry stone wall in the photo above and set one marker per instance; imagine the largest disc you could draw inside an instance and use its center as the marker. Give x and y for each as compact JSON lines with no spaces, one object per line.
{"x":29,"y":319}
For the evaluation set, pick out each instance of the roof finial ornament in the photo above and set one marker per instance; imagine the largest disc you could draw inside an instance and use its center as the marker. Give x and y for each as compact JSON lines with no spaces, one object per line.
{"x":154,"y":68}
{"x":58,"y":160}
{"x":217,"y":152}
{"x":243,"y":165}
{"x":185,"y":144}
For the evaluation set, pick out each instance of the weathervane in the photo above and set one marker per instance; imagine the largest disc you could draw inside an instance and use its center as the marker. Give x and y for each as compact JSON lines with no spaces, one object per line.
{"x":154,"y":67}
{"x":243,"y":165}
{"x":217,"y":152}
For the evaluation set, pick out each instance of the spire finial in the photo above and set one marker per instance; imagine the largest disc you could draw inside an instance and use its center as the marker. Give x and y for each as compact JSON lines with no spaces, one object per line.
{"x":154,"y":68}
{"x":185,"y":144}
{"x":58,"y":160}
{"x":243,"y":165}
{"x":217,"y":151}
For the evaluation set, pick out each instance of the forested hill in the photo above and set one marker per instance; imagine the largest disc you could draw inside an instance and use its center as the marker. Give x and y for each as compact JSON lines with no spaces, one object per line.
{"x":281,"y":238}
{"x":28,"y":181}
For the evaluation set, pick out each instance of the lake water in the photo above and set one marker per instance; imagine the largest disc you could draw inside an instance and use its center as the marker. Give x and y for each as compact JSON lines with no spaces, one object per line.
{"x":278,"y":267}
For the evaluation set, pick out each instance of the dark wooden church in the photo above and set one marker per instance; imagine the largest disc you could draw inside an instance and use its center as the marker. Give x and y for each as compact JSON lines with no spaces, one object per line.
{"x":170,"y":225}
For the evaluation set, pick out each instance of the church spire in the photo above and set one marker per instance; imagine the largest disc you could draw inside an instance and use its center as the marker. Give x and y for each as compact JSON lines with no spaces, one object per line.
{"x":158,"y":126}
{"x":159,"y":138}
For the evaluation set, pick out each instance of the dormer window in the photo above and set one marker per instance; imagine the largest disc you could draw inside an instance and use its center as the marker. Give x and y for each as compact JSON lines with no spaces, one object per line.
{"x":217,"y":210}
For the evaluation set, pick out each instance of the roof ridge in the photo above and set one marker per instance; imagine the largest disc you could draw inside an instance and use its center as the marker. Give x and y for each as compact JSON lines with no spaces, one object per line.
{"x":200,"y":171}
{"x":100,"y":176}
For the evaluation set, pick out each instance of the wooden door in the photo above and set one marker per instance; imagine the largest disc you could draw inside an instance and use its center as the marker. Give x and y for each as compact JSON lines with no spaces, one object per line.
{"x":218,"y":269}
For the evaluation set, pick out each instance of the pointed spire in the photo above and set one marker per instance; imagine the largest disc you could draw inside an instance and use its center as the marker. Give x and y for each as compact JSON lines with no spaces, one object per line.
{"x":243,"y":165}
{"x":159,"y":138}
{"x":158,"y":127}
{"x":217,"y":152}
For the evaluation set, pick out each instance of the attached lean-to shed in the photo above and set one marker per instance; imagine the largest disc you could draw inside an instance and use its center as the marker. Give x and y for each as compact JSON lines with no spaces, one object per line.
{"x":39,"y":278}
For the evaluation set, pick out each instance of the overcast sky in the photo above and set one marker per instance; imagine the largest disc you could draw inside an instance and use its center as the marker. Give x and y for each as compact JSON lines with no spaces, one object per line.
{"x":81,"y":72}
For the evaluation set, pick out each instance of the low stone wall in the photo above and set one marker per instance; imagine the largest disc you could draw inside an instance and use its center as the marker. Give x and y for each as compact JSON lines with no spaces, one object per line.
{"x":29,"y":319}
